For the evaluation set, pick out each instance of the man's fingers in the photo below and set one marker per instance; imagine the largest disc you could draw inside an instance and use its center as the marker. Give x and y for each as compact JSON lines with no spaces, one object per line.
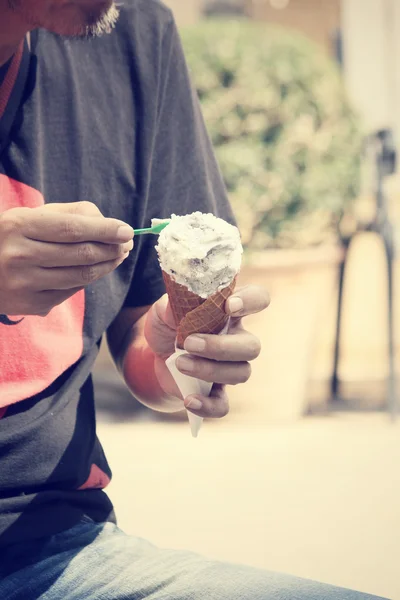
{"x":66,"y":278}
{"x":242,"y":346}
{"x":228,"y":373}
{"x":163,"y":313}
{"x":71,"y":255}
{"x":75,"y":208}
{"x":49,"y":299}
{"x":247,"y":301}
{"x":216,"y":406}
{"x":56,"y":227}
{"x":41,"y":303}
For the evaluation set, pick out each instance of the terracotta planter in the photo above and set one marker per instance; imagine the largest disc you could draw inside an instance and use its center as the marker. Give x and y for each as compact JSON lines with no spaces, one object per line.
{"x":302,"y":285}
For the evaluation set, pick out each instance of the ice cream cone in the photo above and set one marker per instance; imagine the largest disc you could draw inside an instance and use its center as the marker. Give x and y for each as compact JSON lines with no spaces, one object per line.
{"x":198,"y":254}
{"x":194,"y":314}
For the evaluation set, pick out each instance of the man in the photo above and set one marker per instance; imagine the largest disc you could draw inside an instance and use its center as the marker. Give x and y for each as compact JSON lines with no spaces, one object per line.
{"x":96,"y":137}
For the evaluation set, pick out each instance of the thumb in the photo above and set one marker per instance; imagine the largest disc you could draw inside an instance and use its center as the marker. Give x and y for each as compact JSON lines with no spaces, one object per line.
{"x":160,"y":328}
{"x":163,"y":312}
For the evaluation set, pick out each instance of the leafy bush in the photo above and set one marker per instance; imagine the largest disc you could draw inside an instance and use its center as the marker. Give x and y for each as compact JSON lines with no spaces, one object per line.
{"x":286,"y":137}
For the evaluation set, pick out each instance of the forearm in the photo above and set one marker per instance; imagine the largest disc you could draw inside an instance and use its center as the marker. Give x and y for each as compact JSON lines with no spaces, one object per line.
{"x":145,"y":374}
{"x":148,"y":378}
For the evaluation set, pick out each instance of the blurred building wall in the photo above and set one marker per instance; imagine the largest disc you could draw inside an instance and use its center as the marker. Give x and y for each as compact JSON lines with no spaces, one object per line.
{"x":371,"y":37}
{"x":186,"y":11}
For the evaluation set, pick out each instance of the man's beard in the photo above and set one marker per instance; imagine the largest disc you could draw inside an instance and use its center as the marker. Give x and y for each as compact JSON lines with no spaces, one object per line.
{"x":105,"y":24}
{"x":93,"y":25}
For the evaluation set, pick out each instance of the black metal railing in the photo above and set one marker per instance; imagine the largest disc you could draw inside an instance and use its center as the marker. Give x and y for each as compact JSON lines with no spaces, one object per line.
{"x":385,"y":158}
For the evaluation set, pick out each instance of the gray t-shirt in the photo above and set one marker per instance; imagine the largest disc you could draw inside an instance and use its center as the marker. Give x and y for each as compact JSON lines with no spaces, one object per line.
{"x":114,"y":121}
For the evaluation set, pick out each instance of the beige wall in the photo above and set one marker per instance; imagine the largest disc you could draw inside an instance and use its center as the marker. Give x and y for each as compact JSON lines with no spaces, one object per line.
{"x":186,"y":11}
{"x":396,"y":68}
{"x":371,"y":30}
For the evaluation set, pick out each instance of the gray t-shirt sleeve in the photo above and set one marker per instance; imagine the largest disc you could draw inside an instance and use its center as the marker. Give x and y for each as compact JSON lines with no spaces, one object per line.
{"x":184,"y":175}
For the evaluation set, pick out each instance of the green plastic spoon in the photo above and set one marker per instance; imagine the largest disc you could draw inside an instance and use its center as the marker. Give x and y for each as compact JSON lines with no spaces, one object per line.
{"x":155,"y":230}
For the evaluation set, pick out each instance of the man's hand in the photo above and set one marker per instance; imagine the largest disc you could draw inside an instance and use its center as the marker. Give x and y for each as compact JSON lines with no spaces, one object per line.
{"x":49,"y":253}
{"x":222,"y":360}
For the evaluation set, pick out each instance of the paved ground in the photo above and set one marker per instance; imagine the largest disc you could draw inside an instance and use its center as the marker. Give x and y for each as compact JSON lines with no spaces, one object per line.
{"x":320,"y":498}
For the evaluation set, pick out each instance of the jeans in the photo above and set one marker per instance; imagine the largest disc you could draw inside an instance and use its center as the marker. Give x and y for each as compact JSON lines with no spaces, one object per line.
{"x":99,"y":562}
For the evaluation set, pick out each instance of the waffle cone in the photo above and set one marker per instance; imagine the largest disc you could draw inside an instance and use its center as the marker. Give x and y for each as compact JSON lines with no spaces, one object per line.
{"x":194,"y":314}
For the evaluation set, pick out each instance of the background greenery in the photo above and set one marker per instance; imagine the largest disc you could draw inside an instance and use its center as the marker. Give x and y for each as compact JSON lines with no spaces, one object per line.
{"x":286,"y":137}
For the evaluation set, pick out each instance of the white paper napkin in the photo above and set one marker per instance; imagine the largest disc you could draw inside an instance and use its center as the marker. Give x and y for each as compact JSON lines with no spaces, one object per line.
{"x":189,"y":385}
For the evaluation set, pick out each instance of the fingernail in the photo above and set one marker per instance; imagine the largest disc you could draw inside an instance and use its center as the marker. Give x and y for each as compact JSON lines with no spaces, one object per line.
{"x":194,"y":403}
{"x":235,"y":305}
{"x":184,"y":363}
{"x":125,"y":233}
{"x":195,"y":344}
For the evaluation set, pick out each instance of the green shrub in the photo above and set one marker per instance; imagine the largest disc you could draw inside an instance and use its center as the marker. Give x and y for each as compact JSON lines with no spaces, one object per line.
{"x":286,"y":137}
